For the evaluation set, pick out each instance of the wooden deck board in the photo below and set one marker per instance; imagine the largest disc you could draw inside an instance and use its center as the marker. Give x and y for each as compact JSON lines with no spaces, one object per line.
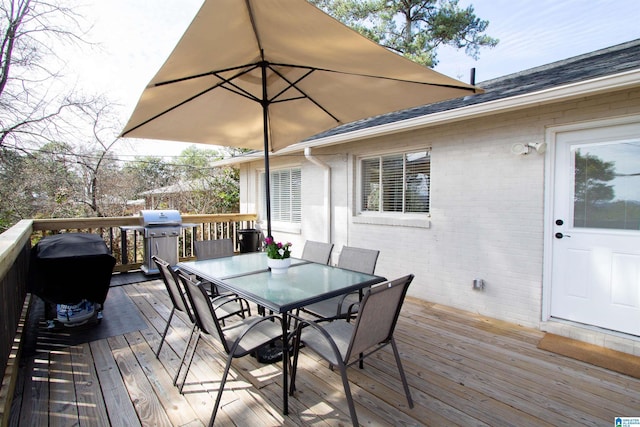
{"x":462,"y":369}
{"x":91,"y":406}
{"x":530,"y":371}
{"x":63,"y":409}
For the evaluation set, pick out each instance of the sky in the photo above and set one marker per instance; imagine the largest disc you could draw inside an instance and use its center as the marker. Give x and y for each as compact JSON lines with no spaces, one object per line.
{"x":132,"y":38}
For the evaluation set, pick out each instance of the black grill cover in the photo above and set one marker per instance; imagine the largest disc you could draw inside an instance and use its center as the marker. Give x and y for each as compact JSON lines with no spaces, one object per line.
{"x":67,"y":268}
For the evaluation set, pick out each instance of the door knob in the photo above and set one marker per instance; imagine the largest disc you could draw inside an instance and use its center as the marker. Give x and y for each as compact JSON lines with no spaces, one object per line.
{"x":560,"y":235}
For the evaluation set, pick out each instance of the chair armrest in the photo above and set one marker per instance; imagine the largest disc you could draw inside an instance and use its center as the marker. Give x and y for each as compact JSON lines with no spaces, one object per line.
{"x":302,"y":323}
{"x":352,"y":310}
{"x":219,"y":301}
{"x":251,"y":326}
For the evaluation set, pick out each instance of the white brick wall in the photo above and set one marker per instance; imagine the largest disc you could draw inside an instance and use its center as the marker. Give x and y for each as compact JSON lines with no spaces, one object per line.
{"x":487,"y":208}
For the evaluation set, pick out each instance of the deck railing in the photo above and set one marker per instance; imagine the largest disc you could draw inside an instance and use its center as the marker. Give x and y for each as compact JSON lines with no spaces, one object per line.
{"x":125,"y":244}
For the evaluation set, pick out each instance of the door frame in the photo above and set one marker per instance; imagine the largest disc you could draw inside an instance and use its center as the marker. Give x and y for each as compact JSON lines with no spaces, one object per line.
{"x":549,"y":190}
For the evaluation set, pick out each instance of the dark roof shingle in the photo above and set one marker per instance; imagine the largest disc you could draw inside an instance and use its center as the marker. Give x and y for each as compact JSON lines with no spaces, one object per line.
{"x":600,"y":63}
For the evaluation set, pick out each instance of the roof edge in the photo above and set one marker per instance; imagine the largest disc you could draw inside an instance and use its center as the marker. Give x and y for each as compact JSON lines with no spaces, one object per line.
{"x":557,"y":94}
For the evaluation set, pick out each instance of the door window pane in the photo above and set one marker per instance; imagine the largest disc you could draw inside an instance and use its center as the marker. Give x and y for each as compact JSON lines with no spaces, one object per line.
{"x":607,"y":186}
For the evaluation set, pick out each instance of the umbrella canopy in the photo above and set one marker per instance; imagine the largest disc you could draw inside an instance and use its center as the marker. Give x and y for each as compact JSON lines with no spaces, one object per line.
{"x":265,"y":74}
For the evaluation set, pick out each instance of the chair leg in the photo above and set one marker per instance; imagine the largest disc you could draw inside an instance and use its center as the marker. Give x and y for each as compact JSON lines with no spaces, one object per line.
{"x":193,"y":352}
{"x":184,"y":354}
{"x":347,"y":392}
{"x":164,"y":334}
{"x":223,"y":380}
{"x":407,"y":392}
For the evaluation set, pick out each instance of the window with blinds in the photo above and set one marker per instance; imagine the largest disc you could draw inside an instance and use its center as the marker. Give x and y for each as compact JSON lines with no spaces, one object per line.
{"x":286,"y":195}
{"x":396,"y":183}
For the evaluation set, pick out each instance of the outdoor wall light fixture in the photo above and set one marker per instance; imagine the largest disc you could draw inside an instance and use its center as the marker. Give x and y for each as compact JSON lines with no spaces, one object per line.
{"x":524,"y":149}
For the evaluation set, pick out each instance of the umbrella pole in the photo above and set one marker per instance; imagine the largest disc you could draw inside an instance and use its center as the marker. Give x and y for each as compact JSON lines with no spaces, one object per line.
{"x":265,"y":122}
{"x":267,"y":179}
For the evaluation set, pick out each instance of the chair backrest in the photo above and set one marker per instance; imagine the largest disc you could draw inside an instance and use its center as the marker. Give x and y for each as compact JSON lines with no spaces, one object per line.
{"x":317,"y":251}
{"x":174,"y":287}
{"x":358,"y":259}
{"x":209,"y":249}
{"x":378,"y":315}
{"x":205,"y":314}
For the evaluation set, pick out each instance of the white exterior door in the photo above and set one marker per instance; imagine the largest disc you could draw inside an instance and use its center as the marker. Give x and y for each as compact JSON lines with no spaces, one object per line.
{"x":595,"y":271}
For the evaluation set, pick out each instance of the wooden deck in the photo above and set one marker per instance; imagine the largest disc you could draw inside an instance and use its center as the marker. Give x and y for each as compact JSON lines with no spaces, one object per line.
{"x":463,"y":370}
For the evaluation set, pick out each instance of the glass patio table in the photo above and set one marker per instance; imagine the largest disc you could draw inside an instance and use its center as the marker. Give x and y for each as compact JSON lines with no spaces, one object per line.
{"x":304,"y":283}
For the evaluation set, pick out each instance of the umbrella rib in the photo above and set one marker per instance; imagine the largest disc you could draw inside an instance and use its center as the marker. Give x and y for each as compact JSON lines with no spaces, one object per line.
{"x":245,"y":67}
{"x":305,"y":95}
{"x":191,"y":98}
{"x":373,"y":76}
{"x":254,"y":26}
{"x":250,"y":67}
{"x":238,"y":90}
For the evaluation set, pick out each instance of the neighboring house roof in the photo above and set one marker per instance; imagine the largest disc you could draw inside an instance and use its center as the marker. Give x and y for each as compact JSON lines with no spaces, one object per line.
{"x":180,"y":187}
{"x":608,"y":69}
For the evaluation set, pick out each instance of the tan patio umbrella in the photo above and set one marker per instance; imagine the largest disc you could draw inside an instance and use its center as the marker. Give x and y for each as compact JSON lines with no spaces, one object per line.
{"x":265,"y":74}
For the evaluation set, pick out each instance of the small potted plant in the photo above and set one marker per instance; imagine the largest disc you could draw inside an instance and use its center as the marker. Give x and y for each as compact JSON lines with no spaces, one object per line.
{"x":278,"y":255}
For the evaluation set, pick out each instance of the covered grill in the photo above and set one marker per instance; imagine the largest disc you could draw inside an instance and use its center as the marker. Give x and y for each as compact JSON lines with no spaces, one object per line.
{"x":161,"y":229}
{"x":69,"y":268}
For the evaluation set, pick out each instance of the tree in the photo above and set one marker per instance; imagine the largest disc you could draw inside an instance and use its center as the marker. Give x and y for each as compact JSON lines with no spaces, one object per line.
{"x":591,"y":177}
{"x":31,"y":100}
{"x":17,"y":199}
{"x":51,"y":181}
{"x":195,"y":164}
{"x":102,"y":193}
{"x":203,"y":188}
{"x":148,"y":172}
{"x":413,"y":28}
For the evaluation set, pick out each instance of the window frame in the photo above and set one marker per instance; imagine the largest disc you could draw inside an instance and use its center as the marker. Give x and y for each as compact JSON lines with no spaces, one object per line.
{"x":291,"y":225}
{"x":416,"y":219}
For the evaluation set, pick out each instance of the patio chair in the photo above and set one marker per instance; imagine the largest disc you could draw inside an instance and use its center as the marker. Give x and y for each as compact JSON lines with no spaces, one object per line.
{"x":178,"y":298}
{"x":351,"y":258}
{"x":342,"y":343}
{"x":211,"y":249}
{"x":238,"y":339}
{"x":179,"y":301}
{"x":226,"y":306}
{"x":317,"y":251}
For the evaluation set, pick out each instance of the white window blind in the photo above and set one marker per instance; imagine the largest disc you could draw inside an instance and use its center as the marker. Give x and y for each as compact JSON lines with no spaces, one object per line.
{"x":396,"y":183}
{"x":286,"y":195}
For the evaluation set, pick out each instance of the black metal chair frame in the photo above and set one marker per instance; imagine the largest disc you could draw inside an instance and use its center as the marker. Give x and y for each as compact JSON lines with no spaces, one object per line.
{"x":376,"y":336}
{"x":263,"y":330}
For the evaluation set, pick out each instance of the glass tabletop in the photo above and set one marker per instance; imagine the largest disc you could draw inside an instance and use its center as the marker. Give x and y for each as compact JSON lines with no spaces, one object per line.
{"x":303,"y":284}
{"x":226,"y":267}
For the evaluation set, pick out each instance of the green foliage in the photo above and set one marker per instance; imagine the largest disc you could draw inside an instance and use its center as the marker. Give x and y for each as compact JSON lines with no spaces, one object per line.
{"x":195,"y":163}
{"x":52,"y":182}
{"x":17,"y":200}
{"x":148,"y":172}
{"x":413,"y":28}
{"x":277,"y":250}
